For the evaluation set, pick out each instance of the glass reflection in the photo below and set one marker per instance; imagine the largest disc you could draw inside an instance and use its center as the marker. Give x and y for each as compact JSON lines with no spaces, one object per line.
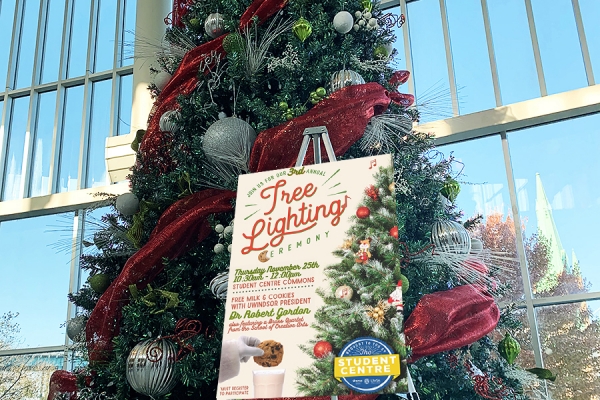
{"x":105,"y":35}
{"x":28,"y":376}
{"x":125,"y":102}
{"x":97,"y":175}
{"x":559,"y":198}
{"x":42,"y":145}
{"x":570,"y":340}
{"x":70,"y":139}
{"x":128,"y":33}
{"x":26,"y":50}
{"x":78,"y":46}
{"x":14,"y":178}
{"x":52,"y":41}
{"x":7,"y":13}
{"x":39,"y":280}
{"x":590,"y":13}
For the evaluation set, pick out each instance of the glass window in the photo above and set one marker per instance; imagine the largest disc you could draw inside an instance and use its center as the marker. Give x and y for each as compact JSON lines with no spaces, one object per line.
{"x":429,"y":59}
{"x":470,"y":55}
{"x":558,"y":193}
{"x":570,"y":340}
{"x":400,"y":60}
{"x":590,"y":13}
{"x":70,"y":139}
{"x":99,"y":130}
{"x":42,"y":145}
{"x":105,"y":35}
{"x":78,"y":46}
{"x":128,"y":33}
{"x":28,"y":376}
{"x":125,"y":101}
{"x":17,"y":134}
{"x":7,"y":14}
{"x":559,"y":45}
{"x":484,"y":191}
{"x":514,"y":53}
{"x":52,"y":41}
{"x":29,"y":27}
{"x":39,"y":294}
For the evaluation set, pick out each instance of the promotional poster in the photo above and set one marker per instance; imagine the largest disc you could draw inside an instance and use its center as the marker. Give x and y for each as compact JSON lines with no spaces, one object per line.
{"x":314,"y":300}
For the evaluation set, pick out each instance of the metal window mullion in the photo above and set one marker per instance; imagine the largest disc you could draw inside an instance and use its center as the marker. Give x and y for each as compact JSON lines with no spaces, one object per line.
{"x":116,"y":81}
{"x":512,"y":190}
{"x":449,"y":61}
{"x":31,"y":350}
{"x":407,"y":48}
{"x":587,"y":62}
{"x":566,"y":299}
{"x":536,"y":49}
{"x":491,"y":53}
{"x":87,"y":97}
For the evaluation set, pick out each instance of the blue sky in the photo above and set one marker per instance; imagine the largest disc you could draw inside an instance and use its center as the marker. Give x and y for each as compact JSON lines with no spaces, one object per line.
{"x":38,"y":274}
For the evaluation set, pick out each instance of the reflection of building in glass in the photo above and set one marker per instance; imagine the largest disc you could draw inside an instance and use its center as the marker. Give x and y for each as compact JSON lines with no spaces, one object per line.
{"x":28,"y":376}
{"x":557,"y":256}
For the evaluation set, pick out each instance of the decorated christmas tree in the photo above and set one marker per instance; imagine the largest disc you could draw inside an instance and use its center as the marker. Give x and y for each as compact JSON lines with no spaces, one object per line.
{"x":240,"y":80}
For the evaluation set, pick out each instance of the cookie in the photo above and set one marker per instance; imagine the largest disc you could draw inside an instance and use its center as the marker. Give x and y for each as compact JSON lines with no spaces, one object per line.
{"x":273,"y":354}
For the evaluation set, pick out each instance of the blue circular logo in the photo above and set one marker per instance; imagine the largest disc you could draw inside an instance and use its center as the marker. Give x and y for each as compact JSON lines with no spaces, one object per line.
{"x":366,"y":346}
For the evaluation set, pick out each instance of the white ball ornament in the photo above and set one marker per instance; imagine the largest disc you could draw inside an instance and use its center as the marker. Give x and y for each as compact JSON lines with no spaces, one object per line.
{"x":367,"y":15}
{"x":127,"y":204}
{"x":228,"y":231}
{"x":227,"y":143}
{"x":356,"y":27}
{"x":229,"y":248}
{"x":222,"y":115}
{"x":219,"y":228}
{"x":373,"y":22}
{"x":343,"y":22}
{"x":219,"y":248}
{"x":358,"y":14}
{"x":161,"y":79}
{"x":214,"y":25}
{"x":169,"y":121}
{"x":361,"y":22}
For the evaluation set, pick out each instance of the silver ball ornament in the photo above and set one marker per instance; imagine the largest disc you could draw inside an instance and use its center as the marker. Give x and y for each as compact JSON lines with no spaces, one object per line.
{"x":150,"y":367}
{"x":227,"y":143}
{"x":450,"y":237}
{"x":476,"y":246}
{"x":218,"y":286}
{"x":219,"y":248}
{"x":343,"y":22}
{"x":75,"y":327}
{"x":161,"y":79}
{"x":169,"y":121}
{"x":214,"y":25}
{"x":345,"y":78}
{"x":127,"y":204}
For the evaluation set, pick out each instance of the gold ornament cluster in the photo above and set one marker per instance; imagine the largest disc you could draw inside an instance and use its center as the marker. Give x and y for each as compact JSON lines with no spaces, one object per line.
{"x":377,"y":313}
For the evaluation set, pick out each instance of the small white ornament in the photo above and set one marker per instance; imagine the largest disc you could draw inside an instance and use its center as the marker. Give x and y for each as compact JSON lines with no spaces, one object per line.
{"x":343,"y":22}
{"x":219,"y":248}
{"x":373,"y":22}
{"x":222,"y":115}
{"x":127,"y":204}
{"x":169,"y":121}
{"x":219,"y":228}
{"x":389,"y":47}
{"x":358,"y":14}
{"x":361,"y":22}
{"x":161,"y":79}
{"x":228,"y":231}
{"x":367,"y":15}
{"x":356,"y":27}
{"x":214,"y":25}
{"x":229,"y":248}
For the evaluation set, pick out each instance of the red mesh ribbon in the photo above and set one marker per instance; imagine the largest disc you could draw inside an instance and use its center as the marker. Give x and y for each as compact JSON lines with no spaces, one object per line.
{"x":183,"y":223}
{"x":63,"y":383}
{"x":154,"y":149}
{"x":449,"y":320}
{"x":345,"y":113}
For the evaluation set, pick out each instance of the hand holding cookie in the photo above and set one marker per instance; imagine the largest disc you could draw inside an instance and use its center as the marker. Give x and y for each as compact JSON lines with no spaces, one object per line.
{"x":273,"y":354}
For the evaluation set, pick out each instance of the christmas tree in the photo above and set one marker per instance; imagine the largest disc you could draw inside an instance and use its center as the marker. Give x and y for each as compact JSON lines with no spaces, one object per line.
{"x":239,"y":82}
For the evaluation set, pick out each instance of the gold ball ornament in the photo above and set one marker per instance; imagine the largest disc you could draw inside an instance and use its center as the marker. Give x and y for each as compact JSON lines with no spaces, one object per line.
{"x":302,"y":29}
{"x":392,"y":187}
